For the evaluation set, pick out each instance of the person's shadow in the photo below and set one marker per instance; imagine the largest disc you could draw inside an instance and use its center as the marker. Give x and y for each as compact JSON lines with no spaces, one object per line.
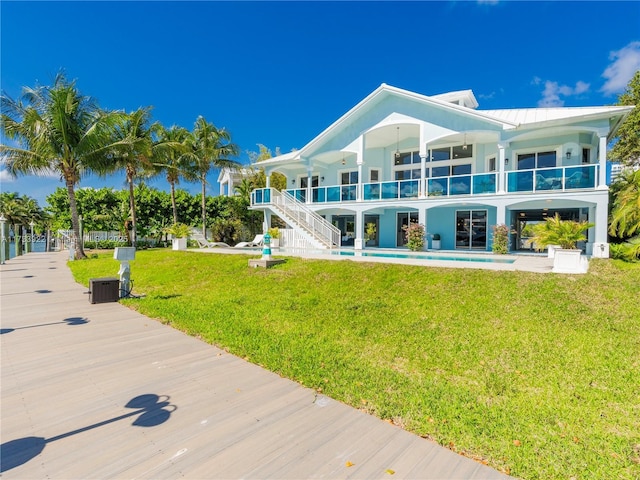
{"x":152,"y":410}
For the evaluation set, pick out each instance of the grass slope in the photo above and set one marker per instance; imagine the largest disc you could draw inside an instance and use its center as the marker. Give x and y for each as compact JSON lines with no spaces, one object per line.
{"x":536,"y":375}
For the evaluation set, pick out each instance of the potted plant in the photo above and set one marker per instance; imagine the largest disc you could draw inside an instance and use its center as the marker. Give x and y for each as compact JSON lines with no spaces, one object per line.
{"x":179,"y":233}
{"x":435,"y":241}
{"x":566,"y":234}
{"x":370,"y":234}
{"x":274,"y":233}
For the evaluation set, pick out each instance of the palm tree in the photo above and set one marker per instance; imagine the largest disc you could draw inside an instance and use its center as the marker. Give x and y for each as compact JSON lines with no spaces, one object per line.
{"x":56,"y":129}
{"x":133,"y":154}
{"x":625,"y":215}
{"x":175,"y":157}
{"x":244,"y":189}
{"x":566,"y":233}
{"x":212,"y":148}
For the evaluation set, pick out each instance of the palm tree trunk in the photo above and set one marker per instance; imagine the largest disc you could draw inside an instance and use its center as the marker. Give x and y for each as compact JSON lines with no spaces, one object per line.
{"x":173,"y":202}
{"x":132,"y":204}
{"x":204,"y":207}
{"x":75,"y":222}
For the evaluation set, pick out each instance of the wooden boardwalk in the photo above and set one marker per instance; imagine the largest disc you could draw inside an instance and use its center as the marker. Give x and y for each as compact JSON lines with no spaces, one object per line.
{"x":99,"y":391}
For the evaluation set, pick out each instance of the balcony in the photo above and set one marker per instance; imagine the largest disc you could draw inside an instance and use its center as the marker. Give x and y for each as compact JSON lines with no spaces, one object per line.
{"x":521,"y":181}
{"x":558,"y":178}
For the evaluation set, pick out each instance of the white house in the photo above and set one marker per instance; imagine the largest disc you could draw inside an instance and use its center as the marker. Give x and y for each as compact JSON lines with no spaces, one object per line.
{"x":230,"y":178}
{"x":399,"y":157}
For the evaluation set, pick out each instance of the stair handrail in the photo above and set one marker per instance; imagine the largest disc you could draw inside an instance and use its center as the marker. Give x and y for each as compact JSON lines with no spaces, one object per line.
{"x":322,"y":229}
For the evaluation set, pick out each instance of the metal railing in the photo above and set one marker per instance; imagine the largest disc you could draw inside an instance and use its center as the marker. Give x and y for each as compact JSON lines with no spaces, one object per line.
{"x":298,"y":214}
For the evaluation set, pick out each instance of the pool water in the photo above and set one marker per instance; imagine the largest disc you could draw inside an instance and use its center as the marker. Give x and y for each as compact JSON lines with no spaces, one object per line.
{"x":425,"y":257}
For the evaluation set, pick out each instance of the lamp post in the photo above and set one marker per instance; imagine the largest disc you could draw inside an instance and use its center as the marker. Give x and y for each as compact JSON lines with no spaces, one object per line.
{"x":3,"y":220}
{"x":31,"y":224}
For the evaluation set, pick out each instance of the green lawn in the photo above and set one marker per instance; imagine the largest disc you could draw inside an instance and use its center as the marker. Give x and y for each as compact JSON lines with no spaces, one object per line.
{"x":537,"y":375}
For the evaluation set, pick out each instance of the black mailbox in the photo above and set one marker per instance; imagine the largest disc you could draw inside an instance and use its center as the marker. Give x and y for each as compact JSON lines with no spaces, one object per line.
{"x":102,"y":290}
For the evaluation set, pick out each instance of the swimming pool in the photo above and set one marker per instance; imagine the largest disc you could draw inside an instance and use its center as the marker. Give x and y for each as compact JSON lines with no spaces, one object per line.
{"x":476,"y":258}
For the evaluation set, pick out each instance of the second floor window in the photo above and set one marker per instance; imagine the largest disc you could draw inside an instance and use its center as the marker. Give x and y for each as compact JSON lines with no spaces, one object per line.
{"x":528,"y":161}
{"x":349,"y":178}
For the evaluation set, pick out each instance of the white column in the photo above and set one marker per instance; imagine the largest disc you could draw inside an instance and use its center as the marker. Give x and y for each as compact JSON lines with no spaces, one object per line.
{"x":268,"y":178}
{"x":602,"y":160}
{"x":501,"y":215}
{"x":267,"y":221}
{"x":422,"y":151}
{"x":359,"y":187}
{"x":501,"y":164}
{"x":358,"y":242}
{"x":422,"y":220}
{"x":600,"y":246}
{"x":423,"y":176}
{"x":309,"y":187}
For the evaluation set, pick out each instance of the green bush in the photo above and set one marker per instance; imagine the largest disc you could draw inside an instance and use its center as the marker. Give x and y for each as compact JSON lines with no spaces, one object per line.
{"x":415,"y":236}
{"x":500,"y":239}
{"x":104,"y":244}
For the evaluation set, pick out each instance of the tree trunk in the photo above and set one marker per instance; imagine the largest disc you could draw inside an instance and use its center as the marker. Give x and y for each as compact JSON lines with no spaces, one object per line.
{"x":75,"y":222}
{"x":204,"y":207}
{"x":173,"y":202}
{"x":132,"y":205}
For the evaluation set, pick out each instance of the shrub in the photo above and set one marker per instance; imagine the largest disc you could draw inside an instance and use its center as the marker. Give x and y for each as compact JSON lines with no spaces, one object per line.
{"x":628,"y":251}
{"x":178,"y":230}
{"x":565,"y":233}
{"x":274,"y":232}
{"x":500,"y":239}
{"x":415,"y":236}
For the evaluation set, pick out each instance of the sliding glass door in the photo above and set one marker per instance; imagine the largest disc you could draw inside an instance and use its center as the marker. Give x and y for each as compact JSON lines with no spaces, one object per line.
{"x":471,"y":229}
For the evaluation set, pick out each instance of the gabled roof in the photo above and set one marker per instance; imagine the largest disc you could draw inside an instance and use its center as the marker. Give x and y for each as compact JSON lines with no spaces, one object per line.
{"x":442,"y":100}
{"x":530,"y":116}
{"x":464,"y":102}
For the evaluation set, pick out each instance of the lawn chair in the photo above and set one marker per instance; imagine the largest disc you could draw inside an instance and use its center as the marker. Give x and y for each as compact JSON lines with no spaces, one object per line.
{"x":256,"y":242}
{"x":204,"y":243}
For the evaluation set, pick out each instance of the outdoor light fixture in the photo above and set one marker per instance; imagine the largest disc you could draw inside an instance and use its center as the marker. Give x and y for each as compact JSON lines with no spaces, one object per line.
{"x":569,"y":154}
{"x":343,"y":160}
{"x":397,"y":142}
{"x":293,"y":181}
{"x":506,"y":161}
{"x":322,"y":179}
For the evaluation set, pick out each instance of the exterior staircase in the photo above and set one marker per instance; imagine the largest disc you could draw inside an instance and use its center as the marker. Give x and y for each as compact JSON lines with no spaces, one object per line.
{"x":316,"y":230}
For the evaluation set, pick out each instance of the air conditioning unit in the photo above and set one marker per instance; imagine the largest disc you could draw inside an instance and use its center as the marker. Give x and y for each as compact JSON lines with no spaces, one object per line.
{"x":103,"y":290}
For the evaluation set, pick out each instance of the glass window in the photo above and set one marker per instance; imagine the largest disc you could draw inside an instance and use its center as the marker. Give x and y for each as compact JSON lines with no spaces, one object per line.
{"x":546,"y":159}
{"x":463,"y":151}
{"x":439,"y":154}
{"x":403,"y":159}
{"x":461,"y":169}
{"x":586,"y":155}
{"x":440,"y":171}
{"x":349,"y":178}
{"x":408,"y":174}
{"x":526,"y":161}
{"x":492,"y":164}
{"x":374,"y":175}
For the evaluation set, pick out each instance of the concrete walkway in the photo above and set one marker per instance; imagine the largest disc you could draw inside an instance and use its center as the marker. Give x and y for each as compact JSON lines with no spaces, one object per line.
{"x":99,"y":391}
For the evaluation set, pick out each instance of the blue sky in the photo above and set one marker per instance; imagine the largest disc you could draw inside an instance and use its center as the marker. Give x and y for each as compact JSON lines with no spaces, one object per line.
{"x":278,"y":73}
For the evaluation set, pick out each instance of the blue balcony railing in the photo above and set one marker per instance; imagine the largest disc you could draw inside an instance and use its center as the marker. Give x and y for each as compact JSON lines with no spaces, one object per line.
{"x":559,"y":178}
{"x":521,"y":181}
